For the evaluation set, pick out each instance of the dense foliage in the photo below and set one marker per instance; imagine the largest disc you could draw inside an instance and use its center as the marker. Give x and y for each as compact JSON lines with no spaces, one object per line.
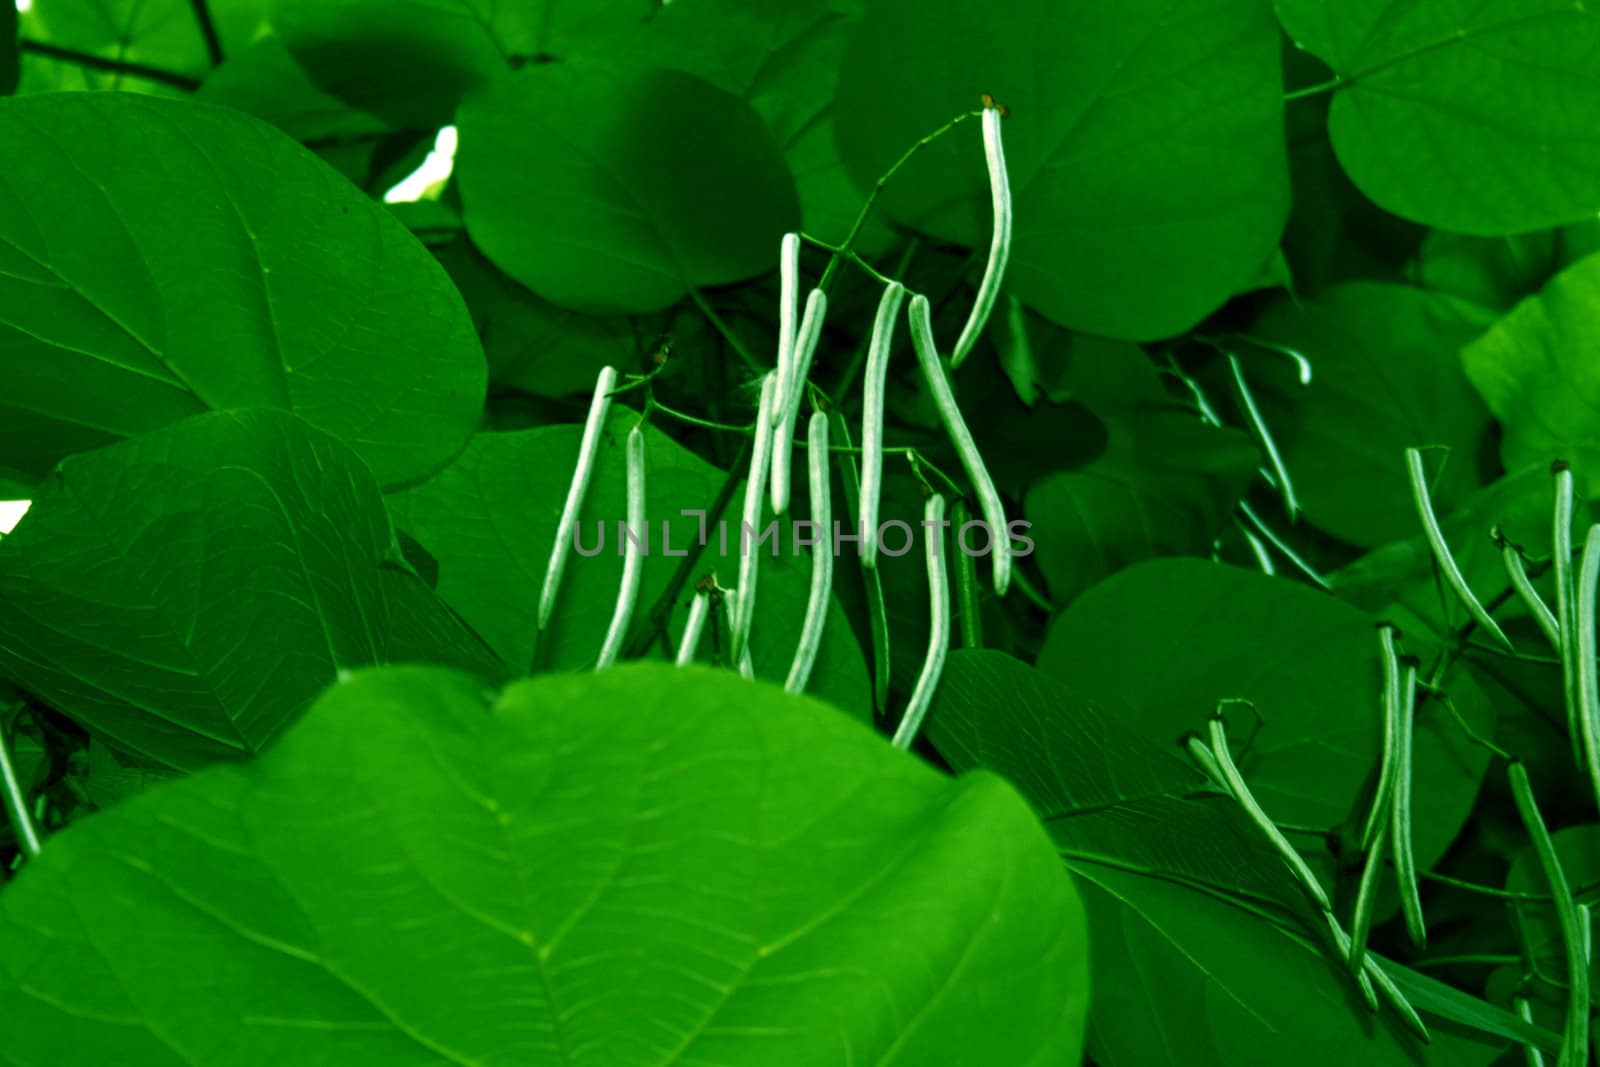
{"x":328,"y":736}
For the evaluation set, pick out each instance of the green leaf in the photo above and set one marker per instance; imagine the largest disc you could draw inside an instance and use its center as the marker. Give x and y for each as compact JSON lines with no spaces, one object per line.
{"x":411,"y":61}
{"x":1145,"y":145}
{"x":158,"y":34}
{"x":1492,"y":272}
{"x":1386,"y":378}
{"x":1063,"y":753}
{"x":1477,"y":117}
{"x":616,"y":190}
{"x":642,"y":866}
{"x":1534,"y":371}
{"x":287,"y":289}
{"x":1538,"y":928}
{"x":187,"y":593}
{"x":490,"y":520}
{"x":1184,"y":979}
{"x":1184,"y":895}
{"x":1163,"y":642}
{"x":532,"y":344}
{"x":1165,"y":485}
{"x":264,"y":80}
{"x":783,"y":59}
{"x":1163,"y":489}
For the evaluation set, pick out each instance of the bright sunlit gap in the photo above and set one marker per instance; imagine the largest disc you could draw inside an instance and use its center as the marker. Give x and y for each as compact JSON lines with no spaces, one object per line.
{"x":11,"y":512}
{"x":24,"y":5}
{"x":435,"y":168}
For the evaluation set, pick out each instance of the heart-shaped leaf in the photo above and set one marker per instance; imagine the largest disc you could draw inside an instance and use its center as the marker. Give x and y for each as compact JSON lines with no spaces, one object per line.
{"x":158,"y":260}
{"x":642,"y":866}
{"x":187,"y":593}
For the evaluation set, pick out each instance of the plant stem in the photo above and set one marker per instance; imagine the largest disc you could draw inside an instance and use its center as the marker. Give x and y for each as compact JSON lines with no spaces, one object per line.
{"x":1318,"y":89}
{"x":655,"y":619}
{"x":109,"y":66}
{"x":722,"y":328}
{"x":208,"y":30}
{"x":16,"y":803}
{"x":877,"y":188}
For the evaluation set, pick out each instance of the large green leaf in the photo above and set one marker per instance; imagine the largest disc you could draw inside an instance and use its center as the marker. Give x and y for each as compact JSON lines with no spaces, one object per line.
{"x":158,"y":260}
{"x":1386,"y":378}
{"x":1145,"y":145}
{"x":643,"y":866}
{"x":1535,"y":369}
{"x":490,"y":520}
{"x":1163,"y":642}
{"x":187,"y":593}
{"x":410,"y":61}
{"x":784,"y":59}
{"x":1198,"y":957}
{"x":613,"y":190}
{"x":1475,"y":117}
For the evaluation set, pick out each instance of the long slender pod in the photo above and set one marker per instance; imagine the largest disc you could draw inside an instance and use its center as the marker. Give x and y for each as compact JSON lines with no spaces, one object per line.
{"x":1283,"y":547}
{"x":871,"y":581}
{"x":994,"y":513}
{"x":1549,"y":625}
{"x":599,"y":407}
{"x":938,"y":625}
{"x":1366,"y":897}
{"x":755,"y":491}
{"x":1561,"y":559}
{"x":1342,"y":943}
{"x":730,"y":603}
{"x":1531,"y":1054}
{"x":968,"y":608}
{"x":794,"y":391}
{"x":805,"y":655}
{"x":1234,"y":784}
{"x":1263,"y":435}
{"x":1441,"y":549}
{"x":632,"y":556}
{"x":999,"y":245}
{"x":1575,"y":1039}
{"x":788,"y":304}
{"x":1218,"y":764}
{"x":1584,"y":653}
{"x":1378,"y":814}
{"x":23,"y":828}
{"x":1395,"y":997}
{"x":872,"y":418}
{"x":699,"y":609}
{"x":1405,"y":862}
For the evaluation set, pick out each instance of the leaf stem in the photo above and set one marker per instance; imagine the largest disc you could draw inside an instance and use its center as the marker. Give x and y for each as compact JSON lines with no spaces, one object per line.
{"x":721,"y":327}
{"x":1318,"y":89}
{"x":208,"y":30}
{"x":877,"y":189}
{"x":27,"y":833}
{"x":109,"y":66}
